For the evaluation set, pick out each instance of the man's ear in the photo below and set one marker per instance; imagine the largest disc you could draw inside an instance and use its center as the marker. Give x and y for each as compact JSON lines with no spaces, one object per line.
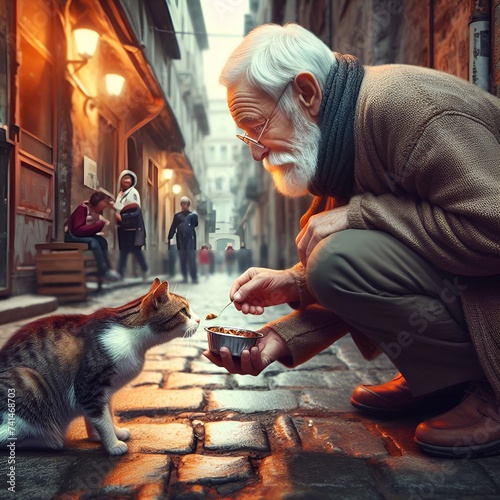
{"x":309,"y":92}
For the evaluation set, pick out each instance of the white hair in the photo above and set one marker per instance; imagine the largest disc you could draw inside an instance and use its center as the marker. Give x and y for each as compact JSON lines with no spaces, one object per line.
{"x":270,"y":56}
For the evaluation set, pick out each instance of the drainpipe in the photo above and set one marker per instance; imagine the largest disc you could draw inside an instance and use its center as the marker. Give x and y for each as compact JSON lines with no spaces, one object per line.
{"x":480,"y":45}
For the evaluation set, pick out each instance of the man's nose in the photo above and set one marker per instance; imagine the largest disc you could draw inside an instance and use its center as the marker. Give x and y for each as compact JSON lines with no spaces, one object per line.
{"x":258,"y":154}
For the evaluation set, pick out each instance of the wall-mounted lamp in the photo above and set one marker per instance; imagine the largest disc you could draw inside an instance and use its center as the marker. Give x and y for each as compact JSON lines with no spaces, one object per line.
{"x":176,"y":189}
{"x":86,"y":42}
{"x":168,"y":173}
{"x":86,"y":45}
{"x":114,"y":83}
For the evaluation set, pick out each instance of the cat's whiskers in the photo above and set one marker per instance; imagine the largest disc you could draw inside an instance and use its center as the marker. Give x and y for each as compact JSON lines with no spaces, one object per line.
{"x":189,"y":333}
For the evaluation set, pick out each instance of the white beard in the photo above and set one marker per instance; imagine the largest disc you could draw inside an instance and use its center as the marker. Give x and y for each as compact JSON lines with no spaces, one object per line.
{"x":292,"y":172}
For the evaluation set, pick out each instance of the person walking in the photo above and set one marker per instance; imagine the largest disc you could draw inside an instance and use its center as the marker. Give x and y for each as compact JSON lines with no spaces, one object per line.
{"x":204,"y":260}
{"x":244,"y":257}
{"x":87,"y":224}
{"x":131,"y":229}
{"x":230,"y":259}
{"x":183,"y":227}
{"x":400,"y":247}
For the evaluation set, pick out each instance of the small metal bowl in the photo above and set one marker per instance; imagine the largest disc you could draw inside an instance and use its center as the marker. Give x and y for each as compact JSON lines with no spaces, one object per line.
{"x":228,"y":336}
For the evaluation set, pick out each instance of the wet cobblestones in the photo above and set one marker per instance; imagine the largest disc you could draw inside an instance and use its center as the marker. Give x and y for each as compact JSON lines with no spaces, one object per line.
{"x":201,"y":433}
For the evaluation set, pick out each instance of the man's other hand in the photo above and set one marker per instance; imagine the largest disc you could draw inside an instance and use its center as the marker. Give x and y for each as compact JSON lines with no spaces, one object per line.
{"x":319,"y":227}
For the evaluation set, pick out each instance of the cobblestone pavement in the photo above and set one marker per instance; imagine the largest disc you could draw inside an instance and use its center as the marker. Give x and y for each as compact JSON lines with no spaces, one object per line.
{"x":201,"y":433}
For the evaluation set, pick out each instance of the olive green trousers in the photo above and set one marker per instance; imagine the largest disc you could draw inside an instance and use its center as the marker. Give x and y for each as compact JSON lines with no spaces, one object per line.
{"x":400,"y":300}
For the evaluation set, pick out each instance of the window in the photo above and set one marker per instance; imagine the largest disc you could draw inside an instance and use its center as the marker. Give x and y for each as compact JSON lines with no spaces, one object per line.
{"x":36,"y":92}
{"x":211,"y":154}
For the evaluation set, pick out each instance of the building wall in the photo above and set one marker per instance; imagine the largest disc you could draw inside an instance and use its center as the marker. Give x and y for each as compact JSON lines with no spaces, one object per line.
{"x":58,"y":115}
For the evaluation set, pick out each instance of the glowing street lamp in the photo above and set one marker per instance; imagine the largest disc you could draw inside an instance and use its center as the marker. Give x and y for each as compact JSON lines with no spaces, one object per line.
{"x":168,"y":173}
{"x":114,"y":83}
{"x":86,"y":42}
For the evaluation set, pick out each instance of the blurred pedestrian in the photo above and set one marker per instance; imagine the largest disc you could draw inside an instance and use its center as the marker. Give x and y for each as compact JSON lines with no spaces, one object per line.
{"x":204,"y":260}
{"x":131,"y":228}
{"x":244,"y":257}
{"x":212,"y":258}
{"x":263,"y":253}
{"x":184,"y":228}
{"x":87,"y":224}
{"x":230,"y":259}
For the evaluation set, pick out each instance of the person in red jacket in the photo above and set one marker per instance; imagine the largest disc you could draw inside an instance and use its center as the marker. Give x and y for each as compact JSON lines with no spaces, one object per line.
{"x":86,"y":224}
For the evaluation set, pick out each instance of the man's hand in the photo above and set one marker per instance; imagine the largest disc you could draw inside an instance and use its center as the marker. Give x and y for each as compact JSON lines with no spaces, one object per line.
{"x":268,"y":349}
{"x":318,"y":228}
{"x":259,"y":287}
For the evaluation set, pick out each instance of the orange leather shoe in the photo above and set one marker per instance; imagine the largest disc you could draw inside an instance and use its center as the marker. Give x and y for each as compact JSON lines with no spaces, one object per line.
{"x":395,"y":397}
{"x":471,"y":429}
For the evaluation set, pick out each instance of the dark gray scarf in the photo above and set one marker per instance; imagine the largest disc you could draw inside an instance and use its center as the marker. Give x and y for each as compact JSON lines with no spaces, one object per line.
{"x":335,"y":165}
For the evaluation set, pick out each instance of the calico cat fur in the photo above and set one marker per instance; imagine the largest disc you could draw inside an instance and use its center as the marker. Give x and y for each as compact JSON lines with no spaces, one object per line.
{"x":65,"y":366}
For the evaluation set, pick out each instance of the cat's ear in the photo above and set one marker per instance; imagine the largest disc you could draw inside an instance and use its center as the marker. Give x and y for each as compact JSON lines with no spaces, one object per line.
{"x":160,"y":294}
{"x":155,"y":284}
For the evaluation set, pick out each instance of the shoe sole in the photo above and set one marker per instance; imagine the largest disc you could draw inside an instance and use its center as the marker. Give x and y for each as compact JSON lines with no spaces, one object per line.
{"x":436,"y":400}
{"x":475,"y":451}
{"x":385,"y":412}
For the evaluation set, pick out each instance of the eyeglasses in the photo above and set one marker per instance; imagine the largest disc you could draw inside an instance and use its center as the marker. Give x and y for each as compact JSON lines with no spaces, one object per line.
{"x":249,"y":141}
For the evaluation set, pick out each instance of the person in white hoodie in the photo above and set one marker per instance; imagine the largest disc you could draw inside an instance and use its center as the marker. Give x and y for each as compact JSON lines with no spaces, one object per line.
{"x":131,"y":230}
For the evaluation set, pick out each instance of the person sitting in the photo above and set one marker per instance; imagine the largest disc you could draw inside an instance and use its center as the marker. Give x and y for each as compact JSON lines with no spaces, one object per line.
{"x":86,"y":225}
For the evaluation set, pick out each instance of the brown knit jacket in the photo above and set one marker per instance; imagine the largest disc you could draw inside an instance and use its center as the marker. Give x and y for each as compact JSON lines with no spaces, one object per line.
{"x":427,"y":171}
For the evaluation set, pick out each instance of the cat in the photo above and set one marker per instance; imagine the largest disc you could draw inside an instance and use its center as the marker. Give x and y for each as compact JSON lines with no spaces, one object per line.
{"x":57,"y":368}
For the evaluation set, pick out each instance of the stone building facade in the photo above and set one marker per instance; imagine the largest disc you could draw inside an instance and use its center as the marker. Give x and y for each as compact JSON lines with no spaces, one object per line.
{"x":64,"y":132}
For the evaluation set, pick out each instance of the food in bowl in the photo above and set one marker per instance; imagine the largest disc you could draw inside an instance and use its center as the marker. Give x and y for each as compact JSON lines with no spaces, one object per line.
{"x":235,"y":339}
{"x":236,"y":331}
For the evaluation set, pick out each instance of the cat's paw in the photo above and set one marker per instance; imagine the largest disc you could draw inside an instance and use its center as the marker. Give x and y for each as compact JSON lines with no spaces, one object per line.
{"x":119,"y":449}
{"x":122,"y":433}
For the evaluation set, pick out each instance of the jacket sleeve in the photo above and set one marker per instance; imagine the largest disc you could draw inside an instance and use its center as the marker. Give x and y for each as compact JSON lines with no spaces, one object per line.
{"x":133,"y":197}
{"x":444,"y":202}
{"x":173,"y":227}
{"x":193,"y":219}
{"x":312,"y":329}
{"x":79,"y":226}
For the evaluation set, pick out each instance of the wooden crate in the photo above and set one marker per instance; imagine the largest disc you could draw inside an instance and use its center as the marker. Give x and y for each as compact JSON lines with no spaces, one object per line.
{"x":64,"y":270}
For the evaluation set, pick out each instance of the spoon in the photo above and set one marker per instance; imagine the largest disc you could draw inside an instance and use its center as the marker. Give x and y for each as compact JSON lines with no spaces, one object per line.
{"x":213,"y":316}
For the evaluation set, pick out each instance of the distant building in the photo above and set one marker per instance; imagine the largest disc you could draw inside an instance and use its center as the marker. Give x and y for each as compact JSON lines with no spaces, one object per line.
{"x":222,"y":154}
